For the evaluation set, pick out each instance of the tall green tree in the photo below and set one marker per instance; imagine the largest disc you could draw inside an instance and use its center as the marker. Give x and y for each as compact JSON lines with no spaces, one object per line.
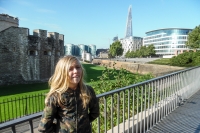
{"x":194,"y":38}
{"x":151,"y":50}
{"x":116,"y":49}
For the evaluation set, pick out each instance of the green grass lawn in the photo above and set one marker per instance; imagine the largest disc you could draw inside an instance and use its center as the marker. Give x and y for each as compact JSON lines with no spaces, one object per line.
{"x":23,"y":89}
{"x":162,"y":61}
{"x":91,"y":72}
{"x":23,"y":99}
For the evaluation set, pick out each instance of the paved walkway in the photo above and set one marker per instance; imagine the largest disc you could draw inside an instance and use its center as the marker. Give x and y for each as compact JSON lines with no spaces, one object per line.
{"x":185,"y":119}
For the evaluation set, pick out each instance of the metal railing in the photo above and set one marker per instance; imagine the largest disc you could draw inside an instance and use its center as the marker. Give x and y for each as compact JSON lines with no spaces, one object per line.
{"x":138,"y":107}
{"x":13,"y":108}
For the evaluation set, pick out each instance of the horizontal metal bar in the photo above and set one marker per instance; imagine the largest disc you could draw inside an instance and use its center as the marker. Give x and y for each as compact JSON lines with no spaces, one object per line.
{"x":144,"y":82}
{"x":154,"y":99}
{"x":20,"y":120}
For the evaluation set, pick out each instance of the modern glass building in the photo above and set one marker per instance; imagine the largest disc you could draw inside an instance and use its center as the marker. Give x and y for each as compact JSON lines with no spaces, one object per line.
{"x":78,"y":50}
{"x":169,"y":41}
{"x":69,"y":49}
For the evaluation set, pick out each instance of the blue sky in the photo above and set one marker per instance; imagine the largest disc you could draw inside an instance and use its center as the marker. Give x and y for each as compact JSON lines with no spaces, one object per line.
{"x":98,"y":21}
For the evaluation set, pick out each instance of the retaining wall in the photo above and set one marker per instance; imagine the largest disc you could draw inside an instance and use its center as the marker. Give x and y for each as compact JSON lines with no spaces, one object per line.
{"x":154,"y":69}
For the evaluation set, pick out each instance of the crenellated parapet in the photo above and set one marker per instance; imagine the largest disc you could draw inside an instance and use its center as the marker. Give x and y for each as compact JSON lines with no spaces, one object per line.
{"x":27,"y":58}
{"x":7,"y":21}
{"x":7,"y":18}
{"x":49,"y":41}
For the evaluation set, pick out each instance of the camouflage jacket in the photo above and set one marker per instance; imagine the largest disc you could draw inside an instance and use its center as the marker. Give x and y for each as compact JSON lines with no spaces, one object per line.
{"x":71,"y":117}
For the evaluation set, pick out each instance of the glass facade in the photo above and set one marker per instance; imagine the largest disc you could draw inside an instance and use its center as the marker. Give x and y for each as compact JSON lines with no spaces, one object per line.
{"x":167,"y":41}
{"x":77,"y":50}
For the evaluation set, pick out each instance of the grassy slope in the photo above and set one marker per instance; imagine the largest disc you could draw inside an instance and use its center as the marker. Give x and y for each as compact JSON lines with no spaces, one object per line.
{"x":12,"y":110}
{"x":162,"y":61}
{"x":91,"y":72}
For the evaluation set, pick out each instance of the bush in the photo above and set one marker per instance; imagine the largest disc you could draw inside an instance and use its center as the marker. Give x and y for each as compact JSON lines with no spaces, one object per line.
{"x":196,"y":58}
{"x":113,"y":79}
{"x":186,"y":59}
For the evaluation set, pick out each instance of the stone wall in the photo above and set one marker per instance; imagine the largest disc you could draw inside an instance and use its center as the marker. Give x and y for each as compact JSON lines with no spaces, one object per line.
{"x":156,"y":70}
{"x":28,"y":58}
{"x":7,"y":21}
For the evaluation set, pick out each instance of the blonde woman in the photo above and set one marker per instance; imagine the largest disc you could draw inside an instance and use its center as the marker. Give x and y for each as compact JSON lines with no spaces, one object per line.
{"x":69,"y":100}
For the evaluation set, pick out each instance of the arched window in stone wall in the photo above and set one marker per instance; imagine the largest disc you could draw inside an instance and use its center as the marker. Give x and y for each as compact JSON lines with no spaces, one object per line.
{"x":32,"y":52}
{"x":47,"y":52}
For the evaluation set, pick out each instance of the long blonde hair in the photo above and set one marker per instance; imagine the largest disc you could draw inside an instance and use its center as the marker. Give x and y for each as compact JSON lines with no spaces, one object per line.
{"x":59,"y":81}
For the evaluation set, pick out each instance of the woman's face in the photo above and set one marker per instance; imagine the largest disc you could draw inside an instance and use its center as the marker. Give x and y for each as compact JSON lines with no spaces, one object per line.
{"x":75,"y":73}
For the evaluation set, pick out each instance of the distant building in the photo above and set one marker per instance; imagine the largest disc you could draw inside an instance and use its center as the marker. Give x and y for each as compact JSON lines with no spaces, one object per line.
{"x":78,"y":50}
{"x":115,"y":39}
{"x":129,"y":23}
{"x":86,"y":57}
{"x":130,"y":43}
{"x":93,"y":50}
{"x":100,"y":51}
{"x":103,"y":55}
{"x":167,"y":41}
{"x":69,"y":49}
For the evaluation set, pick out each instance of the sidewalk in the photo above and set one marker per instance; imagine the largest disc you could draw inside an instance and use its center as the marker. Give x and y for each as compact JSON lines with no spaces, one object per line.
{"x":185,"y":119}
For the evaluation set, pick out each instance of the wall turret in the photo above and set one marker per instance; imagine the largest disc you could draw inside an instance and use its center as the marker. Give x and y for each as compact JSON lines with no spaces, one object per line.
{"x":7,"y":21}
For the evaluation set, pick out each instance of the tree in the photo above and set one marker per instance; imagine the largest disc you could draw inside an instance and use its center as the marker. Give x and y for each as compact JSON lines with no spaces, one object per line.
{"x":128,"y":54}
{"x":116,"y":49}
{"x":144,"y":51}
{"x":194,"y":38}
{"x":151,"y":50}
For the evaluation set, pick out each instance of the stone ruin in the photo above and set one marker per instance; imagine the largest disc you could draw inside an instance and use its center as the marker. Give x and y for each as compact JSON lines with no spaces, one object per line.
{"x":28,"y":58}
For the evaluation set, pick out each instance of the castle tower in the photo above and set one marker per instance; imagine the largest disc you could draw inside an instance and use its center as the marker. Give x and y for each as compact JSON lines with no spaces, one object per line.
{"x":7,"y":21}
{"x":129,"y":23}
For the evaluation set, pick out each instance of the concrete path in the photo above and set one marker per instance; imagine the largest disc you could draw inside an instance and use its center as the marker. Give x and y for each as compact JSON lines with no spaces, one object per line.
{"x":185,"y":119}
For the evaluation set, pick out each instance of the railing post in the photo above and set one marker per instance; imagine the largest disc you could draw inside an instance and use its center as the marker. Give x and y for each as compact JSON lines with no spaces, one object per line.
{"x":157,"y":96}
{"x":98,"y":121}
{"x":112,"y":113}
{"x":105,"y":113}
{"x":31,"y":125}
{"x":13,"y":129}
{"x":118,"y":111}
{"x":26,"y":112}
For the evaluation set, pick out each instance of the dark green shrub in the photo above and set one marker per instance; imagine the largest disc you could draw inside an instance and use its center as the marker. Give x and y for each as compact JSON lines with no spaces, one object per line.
{"x":185,"y":59}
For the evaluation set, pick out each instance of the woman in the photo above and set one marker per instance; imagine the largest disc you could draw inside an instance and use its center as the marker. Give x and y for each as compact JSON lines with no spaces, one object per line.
{"x":72,"y":103}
